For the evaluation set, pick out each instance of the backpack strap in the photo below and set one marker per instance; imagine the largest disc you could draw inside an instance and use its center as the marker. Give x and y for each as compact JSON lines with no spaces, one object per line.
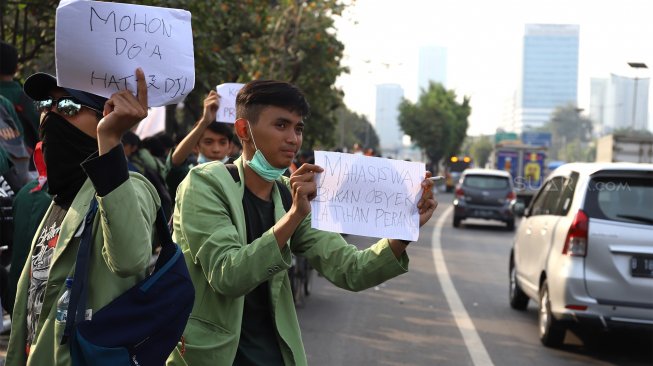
{"x":286,"y":197}
{"x":78,"y":290}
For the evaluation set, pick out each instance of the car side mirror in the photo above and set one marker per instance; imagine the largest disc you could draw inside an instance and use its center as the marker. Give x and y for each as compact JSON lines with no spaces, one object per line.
{"x":519,"y":209}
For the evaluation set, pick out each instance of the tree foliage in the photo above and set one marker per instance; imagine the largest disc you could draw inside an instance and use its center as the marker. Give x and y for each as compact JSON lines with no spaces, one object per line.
{"x":437,"y":123}
{"x":353,"y":128}
{"x":480,"y":150}
{"x":566,"y":126}
{"x":234,"y":41}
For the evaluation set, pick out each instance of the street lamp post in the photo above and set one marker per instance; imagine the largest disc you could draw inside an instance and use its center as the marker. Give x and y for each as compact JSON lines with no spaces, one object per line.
{"x":636,"y":65}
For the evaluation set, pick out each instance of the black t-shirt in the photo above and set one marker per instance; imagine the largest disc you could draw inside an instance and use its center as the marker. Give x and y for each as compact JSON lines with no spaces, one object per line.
{"x":258,"y":343}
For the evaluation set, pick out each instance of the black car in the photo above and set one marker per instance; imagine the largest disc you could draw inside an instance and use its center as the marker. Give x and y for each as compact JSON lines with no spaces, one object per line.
{"x":484,"y":194}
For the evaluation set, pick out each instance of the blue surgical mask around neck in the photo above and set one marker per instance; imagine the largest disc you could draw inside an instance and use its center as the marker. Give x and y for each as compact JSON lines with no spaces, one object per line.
{"x":260,"y":164}
{"x":201,"y":159}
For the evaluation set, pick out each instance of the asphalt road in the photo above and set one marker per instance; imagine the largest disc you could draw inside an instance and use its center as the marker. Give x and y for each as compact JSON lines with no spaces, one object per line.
{"x":457,"y":316}
{"x":460,"y":316}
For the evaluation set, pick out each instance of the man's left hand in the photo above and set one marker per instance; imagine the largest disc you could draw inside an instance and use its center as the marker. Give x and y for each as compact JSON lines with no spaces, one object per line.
{"x":427,"y":203}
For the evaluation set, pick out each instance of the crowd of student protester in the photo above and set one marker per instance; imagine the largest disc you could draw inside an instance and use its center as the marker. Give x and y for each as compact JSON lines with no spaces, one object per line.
{"x":235,"y":226}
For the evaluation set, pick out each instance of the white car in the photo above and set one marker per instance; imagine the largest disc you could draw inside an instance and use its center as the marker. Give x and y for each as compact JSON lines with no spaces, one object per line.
{"x":584,"y":249}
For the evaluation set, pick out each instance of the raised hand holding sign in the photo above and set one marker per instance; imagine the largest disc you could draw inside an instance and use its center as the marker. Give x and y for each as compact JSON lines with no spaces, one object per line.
{"x":100,"y":44}
{"x":368,"y":196}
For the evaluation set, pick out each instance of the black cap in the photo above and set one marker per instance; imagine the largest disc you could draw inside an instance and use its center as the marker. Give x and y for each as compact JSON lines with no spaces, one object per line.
{"x":38,"y":87}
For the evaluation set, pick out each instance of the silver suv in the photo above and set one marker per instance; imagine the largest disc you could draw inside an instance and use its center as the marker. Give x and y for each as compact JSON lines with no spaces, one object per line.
{"x":584,"y":249}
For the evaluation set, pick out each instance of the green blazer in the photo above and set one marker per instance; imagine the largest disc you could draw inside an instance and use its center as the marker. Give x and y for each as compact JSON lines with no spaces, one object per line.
{"x":119,"y":259}
{"x":209,"y":225}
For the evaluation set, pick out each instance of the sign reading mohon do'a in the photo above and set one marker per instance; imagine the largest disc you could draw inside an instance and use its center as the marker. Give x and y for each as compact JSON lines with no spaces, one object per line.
{"x":367,"y":196}
{"x":99,"y":45}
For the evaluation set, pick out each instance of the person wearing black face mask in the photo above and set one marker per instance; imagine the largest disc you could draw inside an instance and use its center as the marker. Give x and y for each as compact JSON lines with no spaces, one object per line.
{"x":81,"y":146}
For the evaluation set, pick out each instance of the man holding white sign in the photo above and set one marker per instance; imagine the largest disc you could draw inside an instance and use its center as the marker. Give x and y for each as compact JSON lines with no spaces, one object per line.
{"x":81,"y":147}
{"x":238,"y":224}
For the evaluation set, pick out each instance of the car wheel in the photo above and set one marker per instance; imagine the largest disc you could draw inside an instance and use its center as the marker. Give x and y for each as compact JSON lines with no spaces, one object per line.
{"x":456,"y":221}
{"x":510,"y":225}
{"x":552,"y":333}
{"x":518,"y":299}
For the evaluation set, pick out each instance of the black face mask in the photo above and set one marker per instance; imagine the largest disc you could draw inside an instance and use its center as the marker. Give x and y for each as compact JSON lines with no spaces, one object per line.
{"x":65,"y":147}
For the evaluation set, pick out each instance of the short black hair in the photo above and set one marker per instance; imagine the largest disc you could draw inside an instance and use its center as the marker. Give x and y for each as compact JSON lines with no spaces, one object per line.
{"x":8,"y":59}
{"x":223,"y":129}
{"x":130,"y":138}
{"x":154,"y":146}
{"x":258,"y":94}
{"x":165,"y":140}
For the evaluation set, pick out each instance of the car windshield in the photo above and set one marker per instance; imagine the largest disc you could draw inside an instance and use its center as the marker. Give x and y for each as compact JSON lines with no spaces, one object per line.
{"x":486,"y":182}
{"x":621,"y":199}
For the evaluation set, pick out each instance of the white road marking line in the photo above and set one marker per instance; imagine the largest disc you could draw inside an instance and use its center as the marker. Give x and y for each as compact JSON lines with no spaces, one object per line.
{"x":473,"y":341}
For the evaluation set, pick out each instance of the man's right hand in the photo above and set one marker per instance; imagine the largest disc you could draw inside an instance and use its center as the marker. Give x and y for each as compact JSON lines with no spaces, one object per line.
{"x":211,"y":104}
{"x":304,"y":188}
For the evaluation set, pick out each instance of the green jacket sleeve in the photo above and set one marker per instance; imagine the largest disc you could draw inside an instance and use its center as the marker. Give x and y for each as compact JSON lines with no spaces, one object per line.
{"x":344,"y":264}
{"x":127,"y":254}
{"x":209,"y":224}
{"x":123,"y":203}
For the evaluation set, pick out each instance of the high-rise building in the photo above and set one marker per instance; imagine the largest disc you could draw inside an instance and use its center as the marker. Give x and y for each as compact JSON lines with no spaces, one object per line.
{"x":619,"y":102}
{"x":598,"y":104}
{"x":549,"y":72}
{"x":508,"y":116}
{"x":432,"y":67}
{"x":386,"y":122}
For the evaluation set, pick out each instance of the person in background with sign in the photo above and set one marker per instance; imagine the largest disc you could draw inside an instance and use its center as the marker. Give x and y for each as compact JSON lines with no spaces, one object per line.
{"x":209,"y":140}
{"x":74,"y":125}
{"x":237,"y":238}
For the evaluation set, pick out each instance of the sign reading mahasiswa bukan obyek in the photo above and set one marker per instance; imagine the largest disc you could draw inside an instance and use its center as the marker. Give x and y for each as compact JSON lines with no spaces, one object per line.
{"x":367,"y":196}
{"x":99,"y":45}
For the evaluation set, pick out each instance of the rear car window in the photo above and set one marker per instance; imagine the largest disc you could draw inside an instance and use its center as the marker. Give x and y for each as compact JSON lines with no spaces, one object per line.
{"x":486,"y":182}
{"x":625,"y":199}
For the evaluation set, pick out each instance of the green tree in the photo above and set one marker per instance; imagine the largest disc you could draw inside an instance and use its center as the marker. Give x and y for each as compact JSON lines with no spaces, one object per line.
{"x":234,"y":41}
{"x":630,"y":132}
{"x":354,"y":128}
{"x":437,"y":123}
{"x":480,"y":150}
{"x":567,"y":125}
{"x":300,"y":46}
{"x":29,"y":26}
{"x":578,"y":151}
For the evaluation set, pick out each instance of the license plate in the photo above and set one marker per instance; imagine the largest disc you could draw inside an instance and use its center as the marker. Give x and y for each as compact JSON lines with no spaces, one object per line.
{"x":483,"y":213}
{"x":641,"y":266}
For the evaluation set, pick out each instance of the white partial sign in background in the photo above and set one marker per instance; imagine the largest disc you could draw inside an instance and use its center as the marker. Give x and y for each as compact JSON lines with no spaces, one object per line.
{"x":99,"y":45}
{"x":227,"y":110}
{"x":367,"y":196}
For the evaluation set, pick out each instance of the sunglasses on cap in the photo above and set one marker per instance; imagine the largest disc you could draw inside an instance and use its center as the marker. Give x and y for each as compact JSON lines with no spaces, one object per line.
{"x":66,"y":105}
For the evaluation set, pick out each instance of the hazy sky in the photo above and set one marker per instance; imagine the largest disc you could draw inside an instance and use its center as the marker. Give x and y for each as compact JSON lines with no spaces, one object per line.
{"x":484,"y":43}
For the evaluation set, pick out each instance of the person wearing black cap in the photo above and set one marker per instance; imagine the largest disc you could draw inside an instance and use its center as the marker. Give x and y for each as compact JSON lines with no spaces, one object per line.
{"x":81,"y":146}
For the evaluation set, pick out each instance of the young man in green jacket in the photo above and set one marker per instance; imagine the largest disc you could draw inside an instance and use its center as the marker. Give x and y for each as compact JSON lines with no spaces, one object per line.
{"x":75,"y":125}
{"x":237,"y":240}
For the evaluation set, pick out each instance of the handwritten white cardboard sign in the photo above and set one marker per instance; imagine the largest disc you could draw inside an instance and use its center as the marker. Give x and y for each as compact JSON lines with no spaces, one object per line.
{"x":99,"y":45}
{"x":367,"y":196}
{"x":227,"y":110}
